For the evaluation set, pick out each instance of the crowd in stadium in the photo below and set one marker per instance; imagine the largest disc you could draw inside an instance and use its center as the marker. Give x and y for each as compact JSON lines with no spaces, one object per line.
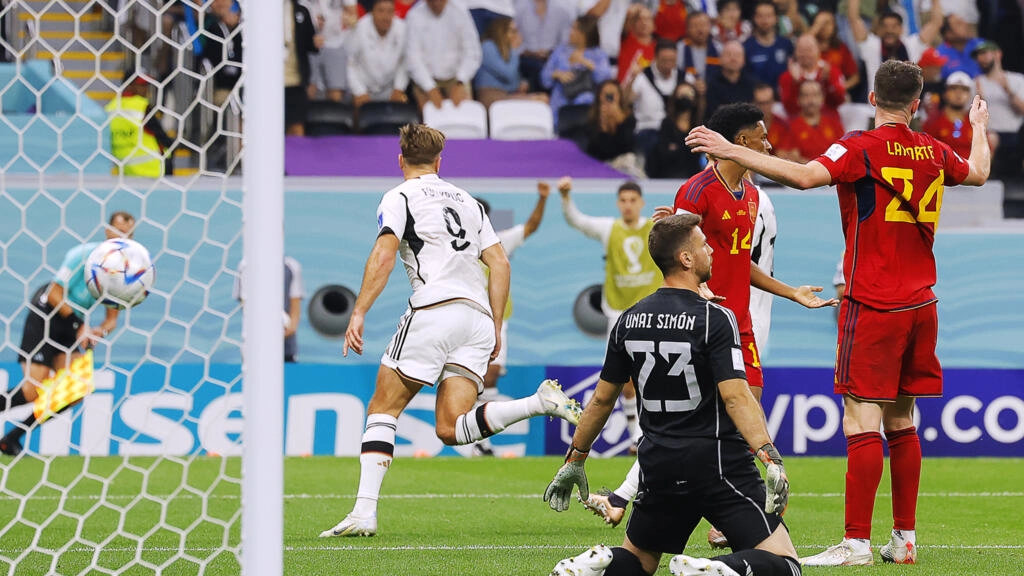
{"x":652,"y":69}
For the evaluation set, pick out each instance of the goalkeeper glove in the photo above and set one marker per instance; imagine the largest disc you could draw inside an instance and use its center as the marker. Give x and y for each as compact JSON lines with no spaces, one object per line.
{"x":776,"y":482}
{"x":571,"y":474}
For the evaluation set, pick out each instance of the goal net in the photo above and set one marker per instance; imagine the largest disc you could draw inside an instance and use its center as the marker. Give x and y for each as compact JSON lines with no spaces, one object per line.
{"x":144,"y":475}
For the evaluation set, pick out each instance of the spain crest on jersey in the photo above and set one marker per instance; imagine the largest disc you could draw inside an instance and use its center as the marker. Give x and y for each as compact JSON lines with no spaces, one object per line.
{"x":752,"y":211}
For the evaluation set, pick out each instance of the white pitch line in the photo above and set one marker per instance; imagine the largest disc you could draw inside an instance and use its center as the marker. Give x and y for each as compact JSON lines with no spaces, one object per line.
{"x":190,"y":496}
{"x":436,"y":548}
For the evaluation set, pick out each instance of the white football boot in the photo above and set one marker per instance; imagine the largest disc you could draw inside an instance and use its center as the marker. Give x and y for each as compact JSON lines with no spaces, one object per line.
{"x":556,"y":403}
{"x":901,"y":548}
{"x":683,"y":565}
{"x":849,"y":552}
{"x":353,"y":526}
{"x":590,"y":563}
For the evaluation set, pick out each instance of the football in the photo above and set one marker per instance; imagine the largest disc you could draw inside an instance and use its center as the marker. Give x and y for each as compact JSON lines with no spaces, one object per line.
{"x":119,"y":273}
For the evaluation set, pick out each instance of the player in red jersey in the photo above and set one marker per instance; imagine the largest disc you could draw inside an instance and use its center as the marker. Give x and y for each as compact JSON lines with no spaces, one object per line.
{"x":890,"y":182}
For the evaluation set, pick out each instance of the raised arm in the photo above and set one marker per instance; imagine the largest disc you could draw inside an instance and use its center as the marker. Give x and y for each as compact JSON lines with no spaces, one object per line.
{"x":792,"y":174}
{"x":375,"y":278}
{"x":533,"y":222}
{"x":592,"y":226}
{"x":929,"y":33}
{"x":980,"y":159}
{"x":857,"y":26}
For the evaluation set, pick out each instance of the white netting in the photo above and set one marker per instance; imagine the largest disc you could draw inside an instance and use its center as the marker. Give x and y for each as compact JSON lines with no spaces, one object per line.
{"x":143,"y":476}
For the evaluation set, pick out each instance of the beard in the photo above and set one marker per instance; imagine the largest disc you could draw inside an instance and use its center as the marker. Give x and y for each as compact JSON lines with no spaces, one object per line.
{"x":986,"y":68}
{"x":704,"y":275}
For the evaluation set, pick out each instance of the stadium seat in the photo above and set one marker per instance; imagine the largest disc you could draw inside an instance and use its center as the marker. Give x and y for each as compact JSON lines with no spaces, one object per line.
{"x":327,"y":118}
{"x":572,"y":124}
{"x":467,"y":121}
{"x":385,"y":118}
{"x":856,"y":116}
{"x":521,"y":120}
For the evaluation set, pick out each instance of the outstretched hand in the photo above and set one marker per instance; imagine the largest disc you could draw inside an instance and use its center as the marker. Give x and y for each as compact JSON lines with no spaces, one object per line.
{"x":702,"y":140}
{"x":807,"y":295}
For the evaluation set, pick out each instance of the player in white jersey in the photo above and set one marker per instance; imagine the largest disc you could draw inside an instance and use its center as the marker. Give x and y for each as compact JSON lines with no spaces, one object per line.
{"x":762,"y":253}
{"x":452,"y":327}
{"x":511,"y":240}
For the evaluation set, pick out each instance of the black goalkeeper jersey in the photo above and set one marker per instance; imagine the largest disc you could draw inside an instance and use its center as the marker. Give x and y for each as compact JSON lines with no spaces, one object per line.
{"x":676,"y":347}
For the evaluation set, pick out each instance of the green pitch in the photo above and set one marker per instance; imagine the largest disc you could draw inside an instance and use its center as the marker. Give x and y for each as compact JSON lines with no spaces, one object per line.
{"x":450,"y":517}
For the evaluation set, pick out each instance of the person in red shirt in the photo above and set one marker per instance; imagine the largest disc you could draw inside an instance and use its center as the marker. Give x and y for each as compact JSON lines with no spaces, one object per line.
{"x":808,"y":65}
{"x":833,"y":51}
{"x":890,"y":182}
{"x":811,"y":132}
{"x":670,"y":21}
{"x":764,"y":99}
{"x":950,"y":124}
{"x":637,"y":50}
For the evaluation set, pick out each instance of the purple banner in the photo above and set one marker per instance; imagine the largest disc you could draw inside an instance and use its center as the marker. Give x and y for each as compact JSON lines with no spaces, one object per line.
{"x":980,"y":414}
{"x":361,"y":156}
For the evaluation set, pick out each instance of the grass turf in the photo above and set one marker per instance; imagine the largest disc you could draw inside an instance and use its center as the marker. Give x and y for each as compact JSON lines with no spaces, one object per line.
{"x":443,"y":516}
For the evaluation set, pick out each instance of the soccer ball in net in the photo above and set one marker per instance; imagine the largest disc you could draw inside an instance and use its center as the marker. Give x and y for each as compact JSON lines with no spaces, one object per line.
{"x":119,"y":273}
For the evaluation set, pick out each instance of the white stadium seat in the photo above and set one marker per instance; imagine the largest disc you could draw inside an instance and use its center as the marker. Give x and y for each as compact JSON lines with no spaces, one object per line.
{"x":521,"y":120}
{"x":856,"y":116}
{"x":467,"y":121}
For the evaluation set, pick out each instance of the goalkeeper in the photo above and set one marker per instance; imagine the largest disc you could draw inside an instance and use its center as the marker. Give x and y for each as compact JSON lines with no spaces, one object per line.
{"x":698,"y":418}
{"x":55,"y":329}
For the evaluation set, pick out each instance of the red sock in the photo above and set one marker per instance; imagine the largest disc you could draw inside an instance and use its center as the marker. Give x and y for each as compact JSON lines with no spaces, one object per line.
{"x":905,"y":467}
{"x":863,"y":473}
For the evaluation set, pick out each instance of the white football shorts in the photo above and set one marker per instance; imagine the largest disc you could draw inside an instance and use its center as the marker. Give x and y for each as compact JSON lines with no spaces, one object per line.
{"x":434,"y":344}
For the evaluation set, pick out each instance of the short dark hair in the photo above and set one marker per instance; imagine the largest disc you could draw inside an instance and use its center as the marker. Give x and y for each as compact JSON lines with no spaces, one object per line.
{"x":375,"y":2}
{"x":891,"y":14}
{"x":664,"y":44}
{"x":723,"y":3}
{"x":760,"y":3}
{"x":120,"y":215}
{"x":630,"y":187}
{"x":486,"y":205}
{"x":731,"y":119}
{"x":588,"y":27}
{"x":668,"y":237}
{"x":897,"y":84}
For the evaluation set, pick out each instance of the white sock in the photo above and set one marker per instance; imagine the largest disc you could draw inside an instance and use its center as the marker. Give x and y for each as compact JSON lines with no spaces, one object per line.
{"x":631,"y":485}
{"x":493,"y":417}
{"x":860,"y":545}
{"x":632,"y":421}
{"x":908,"y":535}
{"x":377,"y":453}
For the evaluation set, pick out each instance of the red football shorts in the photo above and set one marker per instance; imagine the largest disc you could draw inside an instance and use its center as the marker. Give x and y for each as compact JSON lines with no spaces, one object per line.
{"x":751,"y":360}
{"x":882,"y":355}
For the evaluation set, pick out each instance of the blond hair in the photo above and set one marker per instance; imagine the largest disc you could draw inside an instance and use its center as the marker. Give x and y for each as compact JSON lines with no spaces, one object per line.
{"x":420,"y":144}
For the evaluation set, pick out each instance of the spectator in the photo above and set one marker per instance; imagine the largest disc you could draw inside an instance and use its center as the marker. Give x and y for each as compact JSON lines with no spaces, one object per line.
{"x":833,"y":51}
{"x":651,"y":92}
{"x":931,"y":63}
{"x":698,"y":55}
{"x":1004,"y":92}
{"x":890,"y":42}
{"x":335,"y":19}
{"x":294,"y":292}
{"x":402,"y":7}
{"x":376,"y":57}
{"x":950,"y":123}
{"x":958,"y":43}
{"x":612,"y":129}
{"x":764,"y":98}
{"x":484,"y":12}
{"x":137,"y":139}
{"x":611,"y":19}
{"x":442,"y":51}
{"x":544,"y":25}
{"x":766,"y":52}
{"x":671,"y":157}
{"x":729,"y":25}
{"x":637,"y":49}
{"x":1002,"y":21}
{"x":791,"y":23}
{"x":670,"y":21}
{"x":300,"y":40}
{"x":223,"y":49}
{"x":808,"y":65}
{"x":730,"y":84}
{"x":575,"y":69}
{"x":498,"y":77}
{"x":813,"y":130}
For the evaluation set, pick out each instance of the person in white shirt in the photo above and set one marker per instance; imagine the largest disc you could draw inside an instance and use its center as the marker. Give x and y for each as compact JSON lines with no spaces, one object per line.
{"x":1004,"y":92}
{"x":442,"y":52}
{"x":451,"y":330}
{"x":511,"y":240}
{"x":376,"y":57}
{"x":892,"y":41}
{"x":651,"y":91}
{"x":544,"y":25}
{"x":484,"y":12}
{"x":611,"y":17}
{"x":762,"y":253}
{"x":335,"y":20}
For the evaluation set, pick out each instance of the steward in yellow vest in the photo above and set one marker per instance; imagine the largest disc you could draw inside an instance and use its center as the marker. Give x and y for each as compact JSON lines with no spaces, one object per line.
{"x":137,"y":140}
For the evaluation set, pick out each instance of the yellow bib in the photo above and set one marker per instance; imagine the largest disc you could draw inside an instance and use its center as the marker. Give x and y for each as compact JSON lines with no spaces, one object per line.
{"x":630,"y":273}
{"x":137,"y":150}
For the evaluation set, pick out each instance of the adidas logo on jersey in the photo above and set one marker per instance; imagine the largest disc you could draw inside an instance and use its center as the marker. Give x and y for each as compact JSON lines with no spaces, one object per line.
{"x":726,"y":216}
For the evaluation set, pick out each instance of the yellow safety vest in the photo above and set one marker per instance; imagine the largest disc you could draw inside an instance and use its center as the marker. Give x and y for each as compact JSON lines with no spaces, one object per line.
{"x":630,"y":273}
{"x":138,"y":151}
